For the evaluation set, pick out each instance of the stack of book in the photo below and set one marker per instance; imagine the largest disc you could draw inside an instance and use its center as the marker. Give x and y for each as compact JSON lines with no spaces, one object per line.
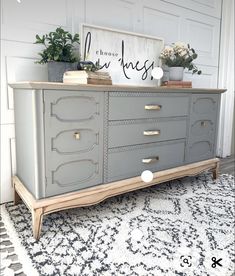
{"x":87,"y":77}
{"x":179,"y":84}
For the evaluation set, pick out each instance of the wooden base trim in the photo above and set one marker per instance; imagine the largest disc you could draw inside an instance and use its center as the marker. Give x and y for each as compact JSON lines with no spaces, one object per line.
{"x":94,"y":195}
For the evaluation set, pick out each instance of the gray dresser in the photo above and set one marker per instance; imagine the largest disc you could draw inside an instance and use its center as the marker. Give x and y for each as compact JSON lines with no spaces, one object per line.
{"x":71,"y":137}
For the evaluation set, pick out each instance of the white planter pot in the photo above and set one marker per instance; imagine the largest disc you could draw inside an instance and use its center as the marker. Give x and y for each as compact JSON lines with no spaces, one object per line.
{"x":176,"y":73}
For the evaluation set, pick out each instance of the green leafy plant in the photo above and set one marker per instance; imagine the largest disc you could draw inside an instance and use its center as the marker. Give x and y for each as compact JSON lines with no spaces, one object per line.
{"x":59,"y":46}
{"x":180,"y":54}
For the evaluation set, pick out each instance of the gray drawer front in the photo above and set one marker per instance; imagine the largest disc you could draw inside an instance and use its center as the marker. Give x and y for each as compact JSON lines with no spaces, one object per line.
{"x":203,"y":127}
{"x":134,"y":106}
{"x":127,"y":162}
{"x":74,"y":140}
{"x":70,"y":106}
{"x":122,"y":133}
{"x":204,"y":107}
{"x":200,"y":150}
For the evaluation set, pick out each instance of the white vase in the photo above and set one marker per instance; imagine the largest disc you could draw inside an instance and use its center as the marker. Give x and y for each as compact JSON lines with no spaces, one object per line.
{"x":176,"y":73}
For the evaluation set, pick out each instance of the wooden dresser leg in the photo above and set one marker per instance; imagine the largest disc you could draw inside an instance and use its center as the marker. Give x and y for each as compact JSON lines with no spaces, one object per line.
{"x":215,"y":171}
{"x":17,"y":198}
{"x":37,"y":216}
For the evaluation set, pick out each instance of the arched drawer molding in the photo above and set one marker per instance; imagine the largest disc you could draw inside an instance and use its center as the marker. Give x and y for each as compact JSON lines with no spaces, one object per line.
{"x":202,"y":127}
{"x":88,"y":108}
{"x":200,"y":150}
{"x":73,"y":175}
{"x":75,"y":141}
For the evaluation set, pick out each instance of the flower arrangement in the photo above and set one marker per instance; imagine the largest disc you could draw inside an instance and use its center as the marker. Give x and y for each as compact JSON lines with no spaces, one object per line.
{"x":180,"y":55}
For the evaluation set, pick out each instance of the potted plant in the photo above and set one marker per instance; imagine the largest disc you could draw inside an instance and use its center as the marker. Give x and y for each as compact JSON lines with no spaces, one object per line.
{"x":59,"y":53}
{"x":178,"y":57}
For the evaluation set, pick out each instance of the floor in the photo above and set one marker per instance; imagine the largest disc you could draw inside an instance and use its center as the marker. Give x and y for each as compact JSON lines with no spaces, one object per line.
{"x":227,"y":166}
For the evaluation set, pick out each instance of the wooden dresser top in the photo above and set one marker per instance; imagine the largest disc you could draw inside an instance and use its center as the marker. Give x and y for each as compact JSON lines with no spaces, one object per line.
{"x":108,"y":88}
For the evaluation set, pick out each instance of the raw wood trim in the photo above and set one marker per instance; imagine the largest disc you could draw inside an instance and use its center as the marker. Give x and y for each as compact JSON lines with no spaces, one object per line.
{"x":109,"y":88}
{"x":16,"y":198}
{"x":25,"y":195}
{"x":99,"y":193}
{"x":37,"y":216}
{"x":123,"y":185}
{"x":216,"y":171}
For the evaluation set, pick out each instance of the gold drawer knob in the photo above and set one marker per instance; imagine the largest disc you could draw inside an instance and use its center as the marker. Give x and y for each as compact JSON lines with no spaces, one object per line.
{"x":203,"y":123}
{"x":151,"y":132}
{"x":150,"y":160}
{"x":76,"y":135}
{"x":152,"y":107}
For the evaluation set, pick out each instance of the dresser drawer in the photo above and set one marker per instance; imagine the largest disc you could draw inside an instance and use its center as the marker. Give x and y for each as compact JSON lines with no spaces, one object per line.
{"x":202,"y":127}
{"x":201,"y":144}
{"x":201,"y":150}
{"x":122,"y":133}
{"x":68,"y":175}
{"x":72,"y":106}
{"x":73,"y":140}
{"x":139,"y":106}
{"x":204,"y":107}
{"x":127,"y":162}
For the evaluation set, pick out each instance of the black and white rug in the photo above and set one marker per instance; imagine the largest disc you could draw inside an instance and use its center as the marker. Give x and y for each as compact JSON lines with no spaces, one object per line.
{"x":183,"y":227}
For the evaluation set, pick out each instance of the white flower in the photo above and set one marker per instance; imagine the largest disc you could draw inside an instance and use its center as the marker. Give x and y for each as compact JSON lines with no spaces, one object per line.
{"x":180,"y":44}
{"x":179,"y":54}
{"x":183,"y":52}
{"x":168,"y":49}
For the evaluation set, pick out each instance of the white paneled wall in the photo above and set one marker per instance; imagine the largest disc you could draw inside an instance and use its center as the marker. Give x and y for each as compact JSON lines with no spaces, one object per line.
{"x":8,"y":166}
{"x":208,"y":7}
{"x":196,"y":22}
{"x":119,"y":14}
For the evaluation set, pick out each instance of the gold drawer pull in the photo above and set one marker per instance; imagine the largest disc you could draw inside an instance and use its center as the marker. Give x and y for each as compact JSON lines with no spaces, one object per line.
{"x":203,"y":123}
{"x":151,"y":132}
{"x":150,"y":160}
{"x":76,"y":135}
{"x":152,"y":107}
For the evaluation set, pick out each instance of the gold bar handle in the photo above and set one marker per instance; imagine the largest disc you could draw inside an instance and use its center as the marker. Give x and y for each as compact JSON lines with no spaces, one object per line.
{"x":152,"y":107}
{"x":76,"y":135}
{"x":151,"y":132}
{"x":150,"y":160}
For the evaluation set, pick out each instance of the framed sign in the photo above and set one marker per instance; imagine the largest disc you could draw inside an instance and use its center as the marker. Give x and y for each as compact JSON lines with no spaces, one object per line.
{"x":128,"y":57}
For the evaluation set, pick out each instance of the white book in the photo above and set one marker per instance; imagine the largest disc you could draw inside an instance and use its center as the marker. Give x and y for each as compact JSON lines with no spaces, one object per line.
{"x":87,"y":74}
{"x":83,"y":79}
{"x":75,"y":80}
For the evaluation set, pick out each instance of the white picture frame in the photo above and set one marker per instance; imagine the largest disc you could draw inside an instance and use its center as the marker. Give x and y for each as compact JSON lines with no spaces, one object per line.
{"x":128,"y":57}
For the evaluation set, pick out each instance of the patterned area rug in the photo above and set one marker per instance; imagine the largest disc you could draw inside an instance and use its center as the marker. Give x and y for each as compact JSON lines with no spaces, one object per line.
{"x":183,"y":227}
